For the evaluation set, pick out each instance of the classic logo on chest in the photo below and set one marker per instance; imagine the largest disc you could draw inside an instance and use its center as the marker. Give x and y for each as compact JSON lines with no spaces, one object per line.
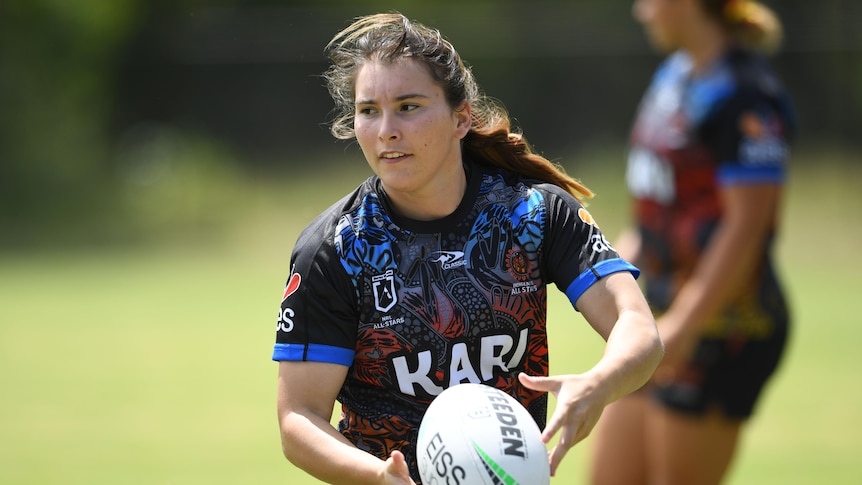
{"x":448,"y":259}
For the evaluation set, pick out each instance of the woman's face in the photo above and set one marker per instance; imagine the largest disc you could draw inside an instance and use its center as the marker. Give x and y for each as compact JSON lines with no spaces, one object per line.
{"x":663,"y":21}
{"x":408,"y":132}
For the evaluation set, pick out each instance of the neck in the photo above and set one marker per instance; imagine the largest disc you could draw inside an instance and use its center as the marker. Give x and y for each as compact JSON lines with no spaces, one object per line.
{"x":705,"y":44}
{"x":431,"y":203}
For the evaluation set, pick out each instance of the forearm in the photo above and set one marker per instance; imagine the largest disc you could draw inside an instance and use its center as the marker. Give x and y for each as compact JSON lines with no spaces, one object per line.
{"x":632,"y":353}
{"x":312,"y":444}
{"x":729,"y":259}
{"x":724,"y":267}
{"x":616,"y":308}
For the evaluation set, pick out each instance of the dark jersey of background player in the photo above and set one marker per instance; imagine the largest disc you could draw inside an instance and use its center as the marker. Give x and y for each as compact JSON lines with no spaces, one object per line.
{"x":692,"y":136}
{"x":414,"y":307}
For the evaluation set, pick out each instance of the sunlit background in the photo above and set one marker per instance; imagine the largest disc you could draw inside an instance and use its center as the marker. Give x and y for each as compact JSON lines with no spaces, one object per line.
{"x":158,"y":159}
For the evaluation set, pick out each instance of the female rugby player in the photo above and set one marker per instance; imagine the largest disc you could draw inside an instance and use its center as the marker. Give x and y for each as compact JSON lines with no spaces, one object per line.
{"x":435,"y":270}
{"x":706,"y":168}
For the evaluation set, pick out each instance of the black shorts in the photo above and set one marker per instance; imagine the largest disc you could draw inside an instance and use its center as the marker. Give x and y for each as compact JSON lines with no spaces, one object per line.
{"x":728,"y":374}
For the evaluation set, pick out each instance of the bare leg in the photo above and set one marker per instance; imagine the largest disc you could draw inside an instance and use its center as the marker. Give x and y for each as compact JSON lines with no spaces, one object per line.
{"x":684,"y":449}
{"x":619,"y":441}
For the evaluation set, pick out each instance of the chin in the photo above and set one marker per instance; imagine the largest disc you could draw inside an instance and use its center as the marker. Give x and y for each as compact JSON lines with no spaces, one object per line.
{"x":396,"y":183}
{"x":661,"y":44}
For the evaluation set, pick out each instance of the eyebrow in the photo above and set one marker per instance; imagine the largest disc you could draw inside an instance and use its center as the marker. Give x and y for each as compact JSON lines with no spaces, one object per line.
{"x":399,"y":98}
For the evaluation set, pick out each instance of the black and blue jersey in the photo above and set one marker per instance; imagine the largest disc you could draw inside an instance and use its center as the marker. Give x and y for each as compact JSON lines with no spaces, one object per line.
{"x":413,"y":307}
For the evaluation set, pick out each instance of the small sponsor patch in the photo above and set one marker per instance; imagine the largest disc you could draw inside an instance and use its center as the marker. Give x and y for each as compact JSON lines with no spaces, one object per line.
{"x":292,"y":285}
{"x":586,"y":216}
{"x":762,"y":143}
{"x":752,"y":126}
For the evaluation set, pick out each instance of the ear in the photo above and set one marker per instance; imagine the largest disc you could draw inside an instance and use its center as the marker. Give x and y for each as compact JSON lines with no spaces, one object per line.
{"x":463,"y":119}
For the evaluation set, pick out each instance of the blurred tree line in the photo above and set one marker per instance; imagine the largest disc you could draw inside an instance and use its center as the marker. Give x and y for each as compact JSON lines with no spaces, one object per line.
{"x":122,"y":115}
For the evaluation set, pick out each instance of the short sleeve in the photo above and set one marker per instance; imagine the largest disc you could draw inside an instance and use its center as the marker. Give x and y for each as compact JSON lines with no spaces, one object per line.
{"x":317,"y":319}
{"x":751,"y":139}
{"x":577,"y":253}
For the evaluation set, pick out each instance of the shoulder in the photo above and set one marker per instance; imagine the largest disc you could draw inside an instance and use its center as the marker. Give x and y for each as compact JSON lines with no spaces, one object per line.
{"x":497,"y":178}
{"x":523,"y":191}
{"x":750,"y":78}
{"x":752,"y":71}
{"x":758,"y":85}
{"x":743,"y":80}
{"x":565,"y":213}
{"x":324,"y":227}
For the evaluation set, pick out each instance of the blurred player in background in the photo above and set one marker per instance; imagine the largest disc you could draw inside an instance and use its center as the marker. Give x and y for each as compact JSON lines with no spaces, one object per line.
{"x":434,"y":271}
{"x":706,"y":168}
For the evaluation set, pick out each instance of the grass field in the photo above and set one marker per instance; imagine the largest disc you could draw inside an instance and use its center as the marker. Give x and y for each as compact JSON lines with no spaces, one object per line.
{"x":152,"y":365}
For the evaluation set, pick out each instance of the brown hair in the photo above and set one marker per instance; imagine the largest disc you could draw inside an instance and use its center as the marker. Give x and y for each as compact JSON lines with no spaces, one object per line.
{"x":751,"y":23}
{"x":390,"y":37}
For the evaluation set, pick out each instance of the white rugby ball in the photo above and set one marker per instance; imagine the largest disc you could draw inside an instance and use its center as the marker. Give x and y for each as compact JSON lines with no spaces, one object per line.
{"x":473,"y":434}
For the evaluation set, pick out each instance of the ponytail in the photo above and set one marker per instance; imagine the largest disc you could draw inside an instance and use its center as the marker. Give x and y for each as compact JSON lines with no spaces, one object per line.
{"x":492,"y":141}
{"x":753,"y":24}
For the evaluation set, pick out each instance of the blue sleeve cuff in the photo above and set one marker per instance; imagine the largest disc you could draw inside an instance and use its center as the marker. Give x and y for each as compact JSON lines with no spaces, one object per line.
{"x":314,"y":353}
{"x":593,"y":274}
{"x":730,"y":174}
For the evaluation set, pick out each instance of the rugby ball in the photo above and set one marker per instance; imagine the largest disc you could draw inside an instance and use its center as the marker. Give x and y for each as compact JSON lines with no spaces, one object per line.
{"x":473,"y":434}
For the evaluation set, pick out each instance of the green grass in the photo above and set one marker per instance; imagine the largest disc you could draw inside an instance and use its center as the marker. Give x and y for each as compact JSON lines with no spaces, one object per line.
{"x":151,"y":366}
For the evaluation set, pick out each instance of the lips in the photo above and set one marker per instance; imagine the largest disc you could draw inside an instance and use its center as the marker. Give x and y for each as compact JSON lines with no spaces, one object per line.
{"x":392,"y":156}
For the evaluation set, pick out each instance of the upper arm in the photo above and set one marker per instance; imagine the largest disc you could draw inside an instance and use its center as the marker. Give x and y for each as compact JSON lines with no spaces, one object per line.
{"x":611,"y":296}
{"x":751,"y":207}
{"x":750,"y":139}
{"x":305,"y":387}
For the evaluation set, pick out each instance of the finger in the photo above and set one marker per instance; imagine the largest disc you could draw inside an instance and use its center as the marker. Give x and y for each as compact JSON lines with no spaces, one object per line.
{"x":539,"y":383}
{"x":570,"y":435}
{"x":556,"y":456}
{"x":553,"y":425}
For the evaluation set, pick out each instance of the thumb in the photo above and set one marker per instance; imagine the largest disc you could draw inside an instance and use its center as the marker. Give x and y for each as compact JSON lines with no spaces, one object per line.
{"x":396,"y":466}
{"x":539,"y":383}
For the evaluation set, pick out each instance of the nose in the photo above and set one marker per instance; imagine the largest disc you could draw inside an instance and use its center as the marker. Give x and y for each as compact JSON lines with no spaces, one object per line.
{"x":389,"y":129}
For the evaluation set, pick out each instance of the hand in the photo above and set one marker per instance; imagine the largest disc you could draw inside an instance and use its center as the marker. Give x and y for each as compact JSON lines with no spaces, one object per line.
{"x":679,"y":346}
{"x":396,"y":471}
{"x":578,"y":410}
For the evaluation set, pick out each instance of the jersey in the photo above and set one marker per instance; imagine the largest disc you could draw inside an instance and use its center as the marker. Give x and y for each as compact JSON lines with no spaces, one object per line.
{"x":413,"y":307}
{"x":692,"y":136}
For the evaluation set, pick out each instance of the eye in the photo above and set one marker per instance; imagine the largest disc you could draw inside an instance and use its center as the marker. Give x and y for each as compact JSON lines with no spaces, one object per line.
{"x":365,"y":110}
{"x":409,"y":107}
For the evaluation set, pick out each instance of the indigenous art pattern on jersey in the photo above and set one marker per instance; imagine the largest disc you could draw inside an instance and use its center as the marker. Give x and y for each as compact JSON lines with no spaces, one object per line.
{"x":469,"y":309}
{"x":415,"y":307}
